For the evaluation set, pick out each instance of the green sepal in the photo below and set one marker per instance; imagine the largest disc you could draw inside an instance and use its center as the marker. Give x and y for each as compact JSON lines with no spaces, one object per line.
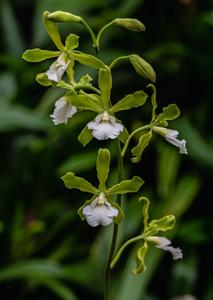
{"x":42,"y":79}
{"x":64,"y":85}
{"x":169,"y":113}
{"x":83,"y":102}
{"x":120,"y":216}
{"x":139,"y":258}
{"x":145,"y":210}
{"x":129,"y":101}
{"x":105,"y":85}
{"x":126,"y":186}
{"x":88,"y":60}
{"x":80,"y":210}
{"x":102,"y":167}
{"x":71,"y":42}
{"x":153,"y":100}
{"x":52,"y":30}
{"x":85,"y":136}
{"x":85,"y":80}
{"x":123,"y":136}
{"x":137,"y":151}
{"x":70,"y":71}
{"x":37,"y":55}
{"x":163,"y":224}
{"x":73,"y":182}
{"x":62,"y":16}
{"x":130,"y":24}
{"x":142,"y":67}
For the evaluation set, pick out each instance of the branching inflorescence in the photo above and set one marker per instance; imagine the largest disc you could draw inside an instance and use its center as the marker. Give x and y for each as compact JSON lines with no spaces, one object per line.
{"x":83,"y":95}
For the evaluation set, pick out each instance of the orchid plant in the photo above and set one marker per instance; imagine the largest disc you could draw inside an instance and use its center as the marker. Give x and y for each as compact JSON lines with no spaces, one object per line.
{"x":101,"y":209}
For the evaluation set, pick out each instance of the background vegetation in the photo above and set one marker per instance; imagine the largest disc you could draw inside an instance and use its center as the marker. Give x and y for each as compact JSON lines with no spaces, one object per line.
{"x":46,"y":251}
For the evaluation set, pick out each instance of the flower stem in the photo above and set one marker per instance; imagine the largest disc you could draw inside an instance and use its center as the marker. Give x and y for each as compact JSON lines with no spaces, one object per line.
{"x":115,"y":230}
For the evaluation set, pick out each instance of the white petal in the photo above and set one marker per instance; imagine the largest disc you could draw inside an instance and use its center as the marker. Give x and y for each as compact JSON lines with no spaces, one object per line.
{"x":180,"y":144}
{"x":57,"y":69}
{"x":100,"y":214}
{"x":104,"y":130}
{"x":63,"y":111}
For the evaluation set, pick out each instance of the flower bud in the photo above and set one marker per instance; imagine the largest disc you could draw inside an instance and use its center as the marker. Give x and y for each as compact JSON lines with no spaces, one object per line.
{"x":131,"y":24}
{"x":61,"y":16}
{"x":142,"y":67}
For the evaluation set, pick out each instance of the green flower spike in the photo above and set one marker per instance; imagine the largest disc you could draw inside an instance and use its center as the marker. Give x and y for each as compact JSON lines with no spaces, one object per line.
{"x":100,"y":210}
{"x":148,"y":235}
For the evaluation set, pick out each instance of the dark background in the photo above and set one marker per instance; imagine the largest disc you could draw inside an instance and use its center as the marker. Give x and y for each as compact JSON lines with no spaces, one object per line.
{"x":46,"y":251}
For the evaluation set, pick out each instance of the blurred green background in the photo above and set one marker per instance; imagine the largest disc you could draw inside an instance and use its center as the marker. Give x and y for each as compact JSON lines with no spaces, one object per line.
{"x":46,"y":251}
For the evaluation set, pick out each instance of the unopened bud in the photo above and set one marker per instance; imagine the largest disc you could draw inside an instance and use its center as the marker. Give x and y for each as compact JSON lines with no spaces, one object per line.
{"x":142,"y":67}
{"x":61,"y":16}
{"x":131,"y":24}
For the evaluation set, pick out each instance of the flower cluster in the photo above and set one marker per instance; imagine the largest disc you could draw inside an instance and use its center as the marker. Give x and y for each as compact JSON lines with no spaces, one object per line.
{"x":101,"y":208}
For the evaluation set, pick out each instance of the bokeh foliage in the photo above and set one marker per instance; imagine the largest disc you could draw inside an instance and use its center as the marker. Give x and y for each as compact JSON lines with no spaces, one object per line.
{"x":46,"y":251}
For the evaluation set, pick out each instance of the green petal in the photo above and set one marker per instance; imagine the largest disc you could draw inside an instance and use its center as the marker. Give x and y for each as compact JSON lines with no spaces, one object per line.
{"x":170,"y":112}
{"x":85,"y":136}
{"x":36,"y":55}
{"x":88,"y":60}
{"x":132,"y":100}
{"x":102,"y":167}
{"x":145,"y":210}
{"x":71,"y":42}
{"x":163,"y":224}
{"x":126,"y":186}
{"x":139,"y":258}
{"x":84,"y":102}
{"x":43,"y":79}
{"x":52,"y":30}
{"x":137,"y":151}
{"x":73,"y":182}
{"x":105,"y":85}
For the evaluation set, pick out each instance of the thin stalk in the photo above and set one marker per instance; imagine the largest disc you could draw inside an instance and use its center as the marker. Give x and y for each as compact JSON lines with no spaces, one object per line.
{"x":91,"y":34}
{"x":102,"y":30}
{"x":131,"y":136}
{"x":114,"y":62}
{"x":115,"y":230}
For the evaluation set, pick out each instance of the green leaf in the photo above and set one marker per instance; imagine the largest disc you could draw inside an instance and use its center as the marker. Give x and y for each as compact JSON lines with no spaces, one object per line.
{"x":71,"y":42}
{"x":102,"y":167}
{"x":105,"y":85}
{"x":62,"y":291}
{"x":163,"y":224}
{"x":145,"y":210}
{"x":170,"y":112}
{"x":62,"y":16}
{"x":88,"y":60}
{"x":73,"y":182}
{"x":137,"y":151}
{"x":84,"y":102}
{"x":142,"y":67}
{"x":36,"y":55}
{"x":130,"y":24}
{"x":52,"y":30}
{"x":85,"y":136}
{"x":153,"y":99}
{"x":43,"y":79}
{"x":140,"y":256}
{"x":131,"y":100}
{"x":126,"y":186}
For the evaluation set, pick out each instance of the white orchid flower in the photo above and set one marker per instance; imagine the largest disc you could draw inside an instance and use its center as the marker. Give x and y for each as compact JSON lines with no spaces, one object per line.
{"x":105,"y":127}
{"x":171,"y":137}
{"x":57,"y":69}
{"x":100,"y":212}
{"x":63,"y":111}
{"x":165,"y":244}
